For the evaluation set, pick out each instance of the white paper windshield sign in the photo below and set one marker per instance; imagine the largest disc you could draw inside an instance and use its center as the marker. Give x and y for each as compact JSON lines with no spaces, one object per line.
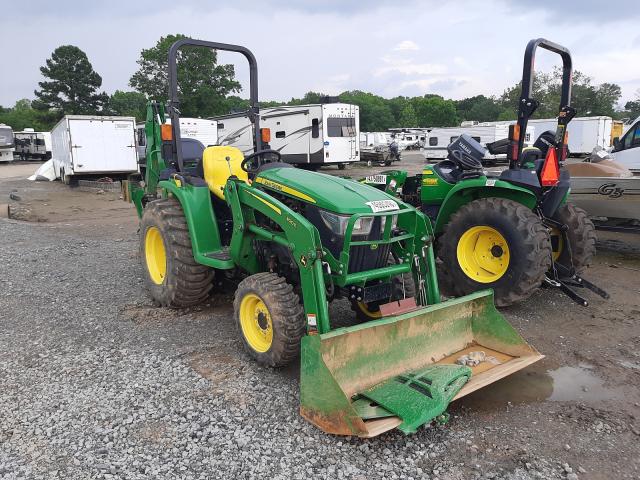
{"x":383,"y":205}
{"x":376,"y":179}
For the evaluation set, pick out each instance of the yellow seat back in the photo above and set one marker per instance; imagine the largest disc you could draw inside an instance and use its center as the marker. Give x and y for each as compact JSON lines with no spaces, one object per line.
{"x":219,"y":163}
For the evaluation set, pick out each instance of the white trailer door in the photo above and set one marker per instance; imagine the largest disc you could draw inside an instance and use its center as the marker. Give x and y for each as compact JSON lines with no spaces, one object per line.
{"x":341,"y":126}
{"x":103,"y":145}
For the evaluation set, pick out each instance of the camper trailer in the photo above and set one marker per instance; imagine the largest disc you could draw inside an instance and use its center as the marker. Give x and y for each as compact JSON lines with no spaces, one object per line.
{"x":201,"y":129}
{"x":7,"y":146}
{"x":93,"y":145}
{"x":32,"y":144}
{"x":438,"y":139}
{"x":305,"y":135}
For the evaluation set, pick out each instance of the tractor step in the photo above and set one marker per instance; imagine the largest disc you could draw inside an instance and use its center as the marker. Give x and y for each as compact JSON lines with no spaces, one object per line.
{"x":222,"y":254}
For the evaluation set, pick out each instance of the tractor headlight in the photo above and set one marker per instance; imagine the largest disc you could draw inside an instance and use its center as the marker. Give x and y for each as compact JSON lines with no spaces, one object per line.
{"x":338,"y":223}
{"x":394,"y":222}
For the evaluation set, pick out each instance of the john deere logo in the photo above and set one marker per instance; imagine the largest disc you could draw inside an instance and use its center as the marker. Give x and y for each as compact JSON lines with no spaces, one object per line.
{"x":374,"y":246}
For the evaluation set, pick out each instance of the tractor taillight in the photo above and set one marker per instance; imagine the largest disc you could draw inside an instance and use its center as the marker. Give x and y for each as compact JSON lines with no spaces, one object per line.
{"x":550,"y":170}
{"x":166,"y":132}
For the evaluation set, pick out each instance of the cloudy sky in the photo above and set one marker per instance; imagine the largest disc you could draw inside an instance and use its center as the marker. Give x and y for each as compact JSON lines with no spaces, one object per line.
{"x":455,"y":49}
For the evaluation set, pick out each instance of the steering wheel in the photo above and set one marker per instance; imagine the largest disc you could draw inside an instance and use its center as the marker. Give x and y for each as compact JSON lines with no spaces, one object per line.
{"x":260,"y":153}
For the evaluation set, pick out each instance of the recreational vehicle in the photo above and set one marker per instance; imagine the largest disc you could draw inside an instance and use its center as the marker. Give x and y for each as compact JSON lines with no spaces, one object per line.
{"x":93,"y":145}
{"x":32,"y":144}
{"x":6,"y":143}
{"x":438,"y":139}
{"x":305,"y":135}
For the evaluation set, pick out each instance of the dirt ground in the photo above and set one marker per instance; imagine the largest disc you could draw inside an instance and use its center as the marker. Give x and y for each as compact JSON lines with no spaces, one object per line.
{"x":576,"y":414}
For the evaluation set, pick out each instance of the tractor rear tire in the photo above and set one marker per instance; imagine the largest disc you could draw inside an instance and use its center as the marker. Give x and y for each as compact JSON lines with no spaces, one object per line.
{"x":270,"y":319}
{"x":581,"y":236}
{"x":501,"y":244}
{"x":172,"y":275}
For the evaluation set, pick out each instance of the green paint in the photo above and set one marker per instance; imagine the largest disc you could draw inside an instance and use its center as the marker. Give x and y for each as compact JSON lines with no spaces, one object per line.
{"x":418,"y":397}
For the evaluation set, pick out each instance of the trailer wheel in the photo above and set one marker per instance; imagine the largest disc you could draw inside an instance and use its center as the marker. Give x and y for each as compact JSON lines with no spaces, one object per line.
{"x":269,"y":318}
{"x":494,"y":243}
{"x":342,"y":166}
{"x":172,"y":275}
{"x":581,"y":237}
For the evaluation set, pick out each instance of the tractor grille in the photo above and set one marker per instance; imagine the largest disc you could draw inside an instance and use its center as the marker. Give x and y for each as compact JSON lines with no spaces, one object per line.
{"x":362,"y":258}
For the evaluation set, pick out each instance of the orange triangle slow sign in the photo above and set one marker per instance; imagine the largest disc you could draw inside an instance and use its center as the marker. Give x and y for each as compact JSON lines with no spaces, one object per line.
{"x":550,"y":169}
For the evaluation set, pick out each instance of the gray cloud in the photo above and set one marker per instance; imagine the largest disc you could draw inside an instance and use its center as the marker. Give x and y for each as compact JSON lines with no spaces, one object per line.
{"x":568,"y":11}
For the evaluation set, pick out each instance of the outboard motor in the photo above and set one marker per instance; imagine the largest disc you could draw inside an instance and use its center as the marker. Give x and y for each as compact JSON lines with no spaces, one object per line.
{"x":467,"y":154}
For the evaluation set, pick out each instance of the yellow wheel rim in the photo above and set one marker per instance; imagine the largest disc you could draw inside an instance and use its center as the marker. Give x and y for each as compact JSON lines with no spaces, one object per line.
{"x":368,"y":312}
{"x":483,"y":254}
{"x":557,"y":244}
{"x":155,"y":255}
{"x":255,"y":322}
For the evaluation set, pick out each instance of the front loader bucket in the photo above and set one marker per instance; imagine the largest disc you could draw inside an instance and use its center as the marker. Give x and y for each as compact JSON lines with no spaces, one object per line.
{"x":401,"y":371}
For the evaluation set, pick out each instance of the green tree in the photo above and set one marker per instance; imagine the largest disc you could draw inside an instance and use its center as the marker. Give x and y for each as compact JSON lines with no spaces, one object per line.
{"x":202,"y":83}
{"x":586,"y":98}
{"x":375,"y":113}
{"x":72,"y":85}
{"x":632,"y":107}
{"x":128,"y":104}
{"x":408,"y":117}
{"x":435,"y":111}
{"x":22,"y":116}
{"x":479,"y":107}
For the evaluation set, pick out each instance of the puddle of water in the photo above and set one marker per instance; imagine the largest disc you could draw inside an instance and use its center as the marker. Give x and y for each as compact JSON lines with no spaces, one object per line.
{"x":537,"y":384}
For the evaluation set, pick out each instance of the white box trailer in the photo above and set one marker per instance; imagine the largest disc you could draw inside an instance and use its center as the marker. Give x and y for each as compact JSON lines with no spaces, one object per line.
{"x":438,"y":139}
{"x":585,"y":133}
{"x":32,"y":144}
{"x":201,"y":129}
{"x":7,"y":145}
{"x":94,"y":145}
{"x":313,"y":135}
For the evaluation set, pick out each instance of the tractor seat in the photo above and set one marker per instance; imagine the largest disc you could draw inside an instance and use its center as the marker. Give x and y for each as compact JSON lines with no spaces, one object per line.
{"x":529,"y":155}
{"x":448,"y":170}
{"x":218,"y":164}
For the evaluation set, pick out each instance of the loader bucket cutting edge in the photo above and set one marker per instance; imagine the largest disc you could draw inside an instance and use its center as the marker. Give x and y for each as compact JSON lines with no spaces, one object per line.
{"x":353,"y":381}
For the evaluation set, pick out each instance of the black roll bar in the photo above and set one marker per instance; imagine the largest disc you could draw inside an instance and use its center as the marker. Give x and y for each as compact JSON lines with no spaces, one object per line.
{"x":528,"y":105}
{"x":174,"y":101}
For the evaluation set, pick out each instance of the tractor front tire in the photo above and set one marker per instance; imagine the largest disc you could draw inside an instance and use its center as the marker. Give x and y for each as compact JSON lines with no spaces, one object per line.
{"x":581,"y":236}
{"x":494,"y":243}
{"x":172,"y":275}
{"x":270,"y":319}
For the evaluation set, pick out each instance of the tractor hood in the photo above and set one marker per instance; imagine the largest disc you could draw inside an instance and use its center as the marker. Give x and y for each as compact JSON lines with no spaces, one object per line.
{"x":331,"y":193}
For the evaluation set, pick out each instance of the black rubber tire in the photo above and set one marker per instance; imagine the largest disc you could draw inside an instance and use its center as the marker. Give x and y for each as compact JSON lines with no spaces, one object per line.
{"x":581,"y":237}
{"x":342,"y":166}
{"x":186,"y":283}
{"x":287,"y":317}
{"x":527,"y":239}
{"x":397,"y":293}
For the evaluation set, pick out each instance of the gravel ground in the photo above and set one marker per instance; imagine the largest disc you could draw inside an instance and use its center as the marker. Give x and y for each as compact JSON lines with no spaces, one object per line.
{"x":99,"y":383}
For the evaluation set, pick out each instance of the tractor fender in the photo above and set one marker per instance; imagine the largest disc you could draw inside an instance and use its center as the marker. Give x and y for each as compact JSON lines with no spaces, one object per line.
{"x":483,"y":187}
{"x":201,"y":220}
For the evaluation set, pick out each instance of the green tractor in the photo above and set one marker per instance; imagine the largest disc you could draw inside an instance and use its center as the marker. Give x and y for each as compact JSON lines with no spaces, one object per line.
{"x":292,"y":241}
{"x":512,"y":231}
